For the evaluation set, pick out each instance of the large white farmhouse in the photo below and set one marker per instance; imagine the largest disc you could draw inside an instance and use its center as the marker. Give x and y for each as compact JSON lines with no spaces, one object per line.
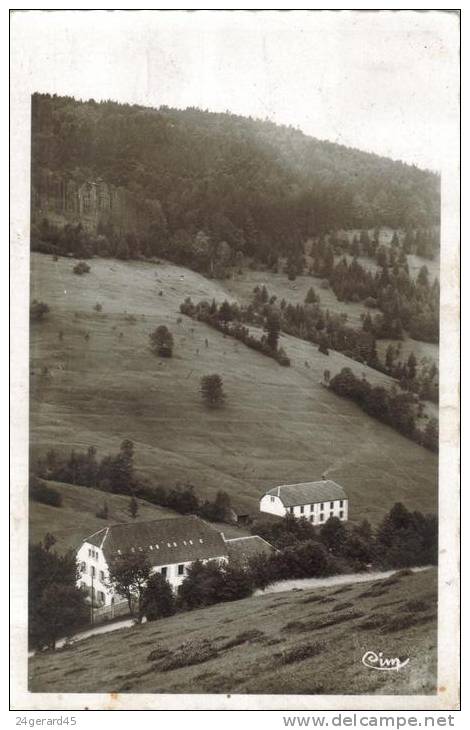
{"x":316,"y":501}
{"x":171,"y":546}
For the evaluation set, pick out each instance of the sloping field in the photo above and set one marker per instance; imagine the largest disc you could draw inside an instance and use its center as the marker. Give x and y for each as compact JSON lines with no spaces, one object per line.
{"x":304,"y":642}
{"x":279,"y":425}
{"x":76,"y":519}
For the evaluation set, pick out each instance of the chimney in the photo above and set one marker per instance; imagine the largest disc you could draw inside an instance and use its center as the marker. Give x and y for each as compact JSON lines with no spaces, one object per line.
{"x":279,"y":491}
{"x":323,"y":476}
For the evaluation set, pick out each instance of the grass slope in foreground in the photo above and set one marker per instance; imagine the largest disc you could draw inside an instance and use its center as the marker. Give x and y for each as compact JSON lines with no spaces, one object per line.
{"x":279,"y":424}
{"x":303,"y":642}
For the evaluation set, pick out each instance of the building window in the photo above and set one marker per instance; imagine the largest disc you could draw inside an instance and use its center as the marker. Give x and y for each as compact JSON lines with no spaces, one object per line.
{"x":321,"y":506}
{"x":331,"y":513}
{"x":89,"y":552}
{"x":83,"y":567}
{"x":341,"y":514}
{"x":291,"y":510}
{"x":332,"y":504}
{"x":101,"y":596}
{"x":93,"y":571}
{"x":311,"y":518}
{"x":322,"y":517}
{"x":272,"y":499}
{"x":164,"y":571}
{"x":311,"y":508}
{"x":301,"y":509}
{"x":180,"y":569}
{"x":341,"y":502}
{"x":102,"y":576}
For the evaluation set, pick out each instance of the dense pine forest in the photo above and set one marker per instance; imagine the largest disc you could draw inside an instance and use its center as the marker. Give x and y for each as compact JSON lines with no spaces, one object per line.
{"x":199,"y":182}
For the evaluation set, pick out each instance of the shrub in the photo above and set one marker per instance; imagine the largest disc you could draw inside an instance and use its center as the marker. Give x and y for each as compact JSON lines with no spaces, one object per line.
{"x":158,"y":599}
{"x":245,"y":637}
{"x":156,"y":654}
{"x":98,"y":307}
{"x":81,"y":268}
{"x":194,"y":651}
{"x":37,"y":310}
{"x":212,"y":390}
{"x":302,"y":651}
{"x":41,"y":492}
{"x":103,"y":513}
{"x":161,"y":341}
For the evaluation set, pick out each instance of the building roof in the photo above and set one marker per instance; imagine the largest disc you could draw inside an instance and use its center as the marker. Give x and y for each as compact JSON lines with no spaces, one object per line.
{"x":165,"y":542}
{"x":308,"y":492}
{"x":243,"y":548}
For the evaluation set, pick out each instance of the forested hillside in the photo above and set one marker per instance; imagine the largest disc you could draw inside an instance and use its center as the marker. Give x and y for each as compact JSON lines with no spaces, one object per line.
{"x":186,"y":181}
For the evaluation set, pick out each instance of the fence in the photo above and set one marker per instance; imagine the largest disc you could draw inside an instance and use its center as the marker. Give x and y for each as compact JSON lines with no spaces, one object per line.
{"x":108,"y":613}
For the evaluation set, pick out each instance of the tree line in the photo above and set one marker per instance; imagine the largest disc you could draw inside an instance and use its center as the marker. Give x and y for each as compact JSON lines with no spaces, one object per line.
{"x":404,"y":304}
{"x":116,"y":473}
{"x":246,"y":185}
{"x":396,"y":409}
{"x":226,"y":318}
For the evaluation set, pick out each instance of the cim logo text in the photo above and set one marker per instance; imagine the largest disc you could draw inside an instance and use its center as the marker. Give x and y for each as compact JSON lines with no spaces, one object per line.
{"x":374,"y":660}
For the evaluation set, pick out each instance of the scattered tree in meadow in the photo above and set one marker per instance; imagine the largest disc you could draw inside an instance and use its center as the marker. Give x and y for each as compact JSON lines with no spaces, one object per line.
{"x":37,"y":310}
{"x":212,"y":390}
{"x":81,"y":268}
{"x":161,"y":341}
{"x":311,"y":297}
{"x":133,"y":507}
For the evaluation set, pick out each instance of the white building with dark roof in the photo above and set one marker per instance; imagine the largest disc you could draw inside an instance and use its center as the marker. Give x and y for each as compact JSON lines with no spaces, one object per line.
{"x":171,"y":546}
{"x":315,"y":501}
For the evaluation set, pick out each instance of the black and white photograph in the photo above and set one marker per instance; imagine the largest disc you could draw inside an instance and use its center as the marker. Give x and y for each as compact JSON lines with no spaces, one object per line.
{"x":235,"y":273}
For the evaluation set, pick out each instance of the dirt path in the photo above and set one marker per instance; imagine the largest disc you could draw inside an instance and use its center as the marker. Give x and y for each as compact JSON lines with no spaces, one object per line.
{"x":280,"y":586}
{"x":334,"y":580}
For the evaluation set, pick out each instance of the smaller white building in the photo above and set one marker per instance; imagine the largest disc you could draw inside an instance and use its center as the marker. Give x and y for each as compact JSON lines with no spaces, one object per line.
{"x":315,"y":501}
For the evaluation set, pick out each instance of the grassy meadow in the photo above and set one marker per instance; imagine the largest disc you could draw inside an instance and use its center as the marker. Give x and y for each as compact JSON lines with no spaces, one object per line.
{"x":298,"y":642}
{"x":98,"y":383}
{"x":76,"y":518}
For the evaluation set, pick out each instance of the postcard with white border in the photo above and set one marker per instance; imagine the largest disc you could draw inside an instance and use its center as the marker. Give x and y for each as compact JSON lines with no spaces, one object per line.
{"x":235,"y":348}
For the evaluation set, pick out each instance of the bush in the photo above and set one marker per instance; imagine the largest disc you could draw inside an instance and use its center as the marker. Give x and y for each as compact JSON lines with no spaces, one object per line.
{"x":158,"y":599}
{"x":41,"y":492}
{"x":103,"y":513}
{"x":161,"y":341}
{"x":194,"y":651}
{"x":212,"y":390}
{"x":302,"y":651}
{"x":81,"y":268}
{"x":98,"y":307}
{"x":37,"y":310}
{"x":245,"y":637}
